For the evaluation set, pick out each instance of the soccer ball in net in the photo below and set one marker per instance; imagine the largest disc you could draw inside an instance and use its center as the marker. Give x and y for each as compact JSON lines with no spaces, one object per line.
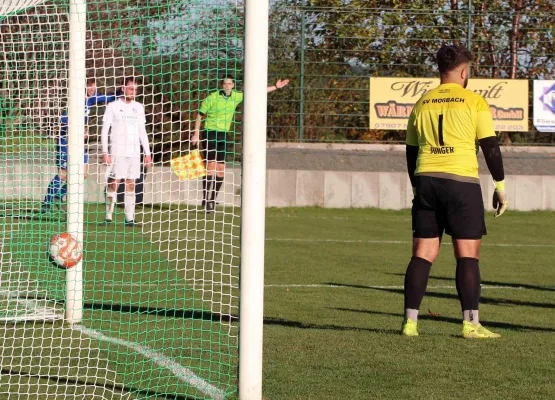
{"x":65,"y":250}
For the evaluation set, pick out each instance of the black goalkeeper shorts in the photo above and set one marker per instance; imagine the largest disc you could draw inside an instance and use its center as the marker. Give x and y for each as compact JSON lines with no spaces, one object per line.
{"x":450,"y":206}
{"x":214,"y":146}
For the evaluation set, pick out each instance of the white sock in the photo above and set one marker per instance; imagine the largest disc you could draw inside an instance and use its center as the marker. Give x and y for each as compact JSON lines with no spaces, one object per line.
{"x":471,"y":316}
{"x":129,"y":206}
{"x":110,"y":204}
{"x":411,"y":313}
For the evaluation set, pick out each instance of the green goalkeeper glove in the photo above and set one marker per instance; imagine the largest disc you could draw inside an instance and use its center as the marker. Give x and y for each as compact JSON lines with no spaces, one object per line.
{"x":500,"y":202}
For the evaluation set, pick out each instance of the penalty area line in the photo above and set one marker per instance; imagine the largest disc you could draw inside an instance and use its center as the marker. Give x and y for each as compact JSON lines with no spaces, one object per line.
{"x":201,"y":286}
{"x":383,"y":286}
{"x":182,"y":373}
{"x":229,"y":239}
{"x":398,"y":242}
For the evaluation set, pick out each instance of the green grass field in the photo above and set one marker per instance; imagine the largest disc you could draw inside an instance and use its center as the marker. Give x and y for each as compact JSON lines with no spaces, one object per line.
{"x":334,"y":304}
{"x":160,"y":308}
{"x":160,"y":303}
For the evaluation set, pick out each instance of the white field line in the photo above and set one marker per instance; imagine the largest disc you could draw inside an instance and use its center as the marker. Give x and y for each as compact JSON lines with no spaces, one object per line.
{"x":361,"y":218}
{"x":212,"y":238}
{"x":399,"y":242}
{"x":182,"y":373}
{"x":286,"y":285}
{"x":358,"y":218}
{"x":389,"y":286}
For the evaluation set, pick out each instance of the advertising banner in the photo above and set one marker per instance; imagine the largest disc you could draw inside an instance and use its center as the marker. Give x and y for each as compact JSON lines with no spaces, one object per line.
{"x":392,"y":100}
{"x":544,"y":106}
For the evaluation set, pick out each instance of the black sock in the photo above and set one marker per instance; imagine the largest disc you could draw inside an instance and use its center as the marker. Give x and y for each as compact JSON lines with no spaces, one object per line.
{"x":468,"y":283}
{"x":204,"y":185}
{"x":416,"y":280}
{"x":218,"y":186}
{"x":212,"y":190}
{"x":208,"y":184}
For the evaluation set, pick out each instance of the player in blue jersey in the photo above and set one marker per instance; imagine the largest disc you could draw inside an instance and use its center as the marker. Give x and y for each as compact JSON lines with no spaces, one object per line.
{"x":57,"y":188}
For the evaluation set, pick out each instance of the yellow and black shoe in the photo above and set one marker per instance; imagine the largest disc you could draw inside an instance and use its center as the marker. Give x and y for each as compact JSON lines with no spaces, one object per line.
{"x":477,"y":331}
{"x":409,"y":328}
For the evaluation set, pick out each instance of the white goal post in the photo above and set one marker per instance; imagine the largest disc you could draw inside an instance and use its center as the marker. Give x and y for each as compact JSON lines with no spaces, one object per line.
{"x":76,"y":129}
{"x":253,"y":200}
{"x":76,"y":152}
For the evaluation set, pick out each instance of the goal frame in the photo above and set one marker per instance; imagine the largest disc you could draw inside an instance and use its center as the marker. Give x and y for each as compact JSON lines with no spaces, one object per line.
{"x":76,"y":152}
{"x":253,"y":201}
{"x":73,"y":311}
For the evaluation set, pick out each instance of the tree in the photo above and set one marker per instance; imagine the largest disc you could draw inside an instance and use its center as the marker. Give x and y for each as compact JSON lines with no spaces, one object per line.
{"x":349,"y":40}
{"x":180,"y":48}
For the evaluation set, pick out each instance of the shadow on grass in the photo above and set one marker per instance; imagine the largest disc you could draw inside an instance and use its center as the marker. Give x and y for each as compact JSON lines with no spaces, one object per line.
{"x":162,"y":312}
{"x":490,"y":324}
{"x":493,"y":283}
{"x":134,"y":309}
{"x":189,"y":208}
{"x":33,"y":215}
{"x":483,"y":300}
{"x":62,"y":380}
{"x":304,"y":325}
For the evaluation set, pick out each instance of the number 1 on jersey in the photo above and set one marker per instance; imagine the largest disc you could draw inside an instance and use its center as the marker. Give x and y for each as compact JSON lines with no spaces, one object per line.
{"x":440,"y":130}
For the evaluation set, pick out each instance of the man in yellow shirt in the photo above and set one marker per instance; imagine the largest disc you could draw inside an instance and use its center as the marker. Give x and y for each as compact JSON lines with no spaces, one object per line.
{"x":444,"y":130}
{"x":219,"y":110}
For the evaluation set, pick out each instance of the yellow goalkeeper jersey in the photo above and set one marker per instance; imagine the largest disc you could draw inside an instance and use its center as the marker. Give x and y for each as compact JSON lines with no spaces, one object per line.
{"x":446,"y":124}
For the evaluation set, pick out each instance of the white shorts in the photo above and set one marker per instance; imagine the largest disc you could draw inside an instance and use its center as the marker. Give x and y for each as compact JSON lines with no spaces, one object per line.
{"x":124,"y":168}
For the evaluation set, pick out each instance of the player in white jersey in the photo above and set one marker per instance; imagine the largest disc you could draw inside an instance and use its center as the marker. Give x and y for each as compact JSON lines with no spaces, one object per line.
{"x":121,"y":148}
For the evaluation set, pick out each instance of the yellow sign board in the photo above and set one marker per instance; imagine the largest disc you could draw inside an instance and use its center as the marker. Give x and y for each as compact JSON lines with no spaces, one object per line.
{"x":392,"y":100}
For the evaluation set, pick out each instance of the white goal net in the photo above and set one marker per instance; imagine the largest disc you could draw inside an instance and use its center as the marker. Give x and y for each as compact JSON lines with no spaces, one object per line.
{"x":158,"y":286}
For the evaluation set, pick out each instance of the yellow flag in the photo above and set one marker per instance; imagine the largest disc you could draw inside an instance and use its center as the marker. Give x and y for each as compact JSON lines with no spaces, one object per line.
{"x":189,"y":166}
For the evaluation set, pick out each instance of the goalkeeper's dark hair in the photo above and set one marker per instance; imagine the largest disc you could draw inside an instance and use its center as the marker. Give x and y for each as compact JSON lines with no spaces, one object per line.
{"x":91,"y":81}
{"x":227,"y":77}
{"x":449,"y":57}
{"x":129,"y":79}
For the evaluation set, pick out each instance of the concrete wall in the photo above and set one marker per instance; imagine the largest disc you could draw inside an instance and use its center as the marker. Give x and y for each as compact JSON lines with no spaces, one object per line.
{"x":389,"y":190}
{"x":392,"y":147}
{"x":285,"y":188}
{"x":162,"y":186}
{"x":30,"y":181}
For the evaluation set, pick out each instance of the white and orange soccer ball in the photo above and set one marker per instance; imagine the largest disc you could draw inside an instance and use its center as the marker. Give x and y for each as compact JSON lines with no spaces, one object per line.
{"x":65,"y":250}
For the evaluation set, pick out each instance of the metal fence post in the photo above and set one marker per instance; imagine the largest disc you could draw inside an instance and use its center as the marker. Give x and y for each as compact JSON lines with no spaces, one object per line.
{"x":469,"y":31}
{"x":301,"y":80}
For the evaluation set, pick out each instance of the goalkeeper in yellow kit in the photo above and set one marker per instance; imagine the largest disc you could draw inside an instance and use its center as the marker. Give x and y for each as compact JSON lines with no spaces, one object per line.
{"x":444,"y":130}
